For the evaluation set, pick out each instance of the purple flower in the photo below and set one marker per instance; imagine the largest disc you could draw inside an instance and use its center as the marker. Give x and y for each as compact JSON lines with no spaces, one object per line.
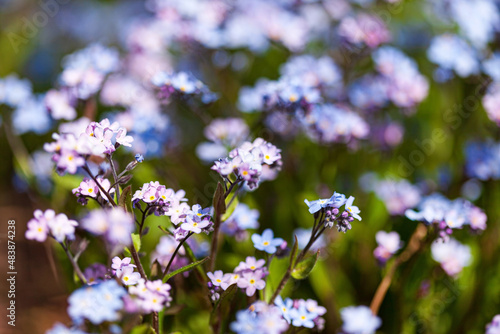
{"x":266,"y":242}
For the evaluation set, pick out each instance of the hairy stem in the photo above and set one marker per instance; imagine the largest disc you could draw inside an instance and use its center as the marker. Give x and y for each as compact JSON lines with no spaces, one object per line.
{"x":414,"y":246}
{"x":156,"y":323}
{"x":115,"y":177}
{"x":217,"y":221}
{"x":74,"y":264}
{"x":137,"y":261}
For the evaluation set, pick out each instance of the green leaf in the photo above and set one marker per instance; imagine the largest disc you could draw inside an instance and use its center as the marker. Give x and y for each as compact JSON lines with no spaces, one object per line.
{"x":304,"y":268}
{"x":125,"y":200}
{"x":293,"y":253}
{"x":136,"y":239}
{"x":229,"y":209}
{"x":142,"y":329}
{"x":127,"y":252}
{"x":183,"y":269}
{"x":192,"y":257}
{"x":166,"y":231}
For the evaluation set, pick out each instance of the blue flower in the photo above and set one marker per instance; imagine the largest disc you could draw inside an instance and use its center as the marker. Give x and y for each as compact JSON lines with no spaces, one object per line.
{"x":317,"y":205}
{"x":61,"y":329}
{"x":302,"y":318}
{"x":266,"y":242}
{"x":139,"y":157}
{"x":97,"y":303}
{"x":353,"y":210}
{"x":246,"y":323}
{"x":337,"y":200}
{"x":285,"y":307}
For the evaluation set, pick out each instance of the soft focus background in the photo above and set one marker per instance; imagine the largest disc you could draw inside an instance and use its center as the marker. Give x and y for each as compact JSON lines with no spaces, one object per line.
{"x":36,"y":36}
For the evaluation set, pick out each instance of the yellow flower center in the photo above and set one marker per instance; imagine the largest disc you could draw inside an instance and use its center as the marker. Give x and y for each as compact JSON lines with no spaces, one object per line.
{"x":252,"y":281}
{"x":151,"y":197}
{"x":90,"y":190}
{"x":293,"y":98}
{"x":266,"y":243}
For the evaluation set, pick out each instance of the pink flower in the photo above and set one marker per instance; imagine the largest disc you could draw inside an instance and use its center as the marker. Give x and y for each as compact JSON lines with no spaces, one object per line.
{"x":251,"y":281}
{"x":61,"y":227}
{"x":122,"y":138}
{"x":128,"y":276}
{"x":218,"y":279}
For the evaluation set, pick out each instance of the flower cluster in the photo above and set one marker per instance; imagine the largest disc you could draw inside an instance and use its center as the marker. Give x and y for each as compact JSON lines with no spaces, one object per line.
{"x":448,"y":215}
{"x":406,"y":87}
{"x":239,"y":24}
{"x":328,"y":123}
{"x":144,"y":296}
{"x":443,"y":48}
{"x":451,"y":255}
{"x":149,"y":296}
{"x":388,"y":245}
{"x":303,"y":78}
{"x":364,"y":29}
{"x":115,"y":225}
{"x":161,"y":200}
{"x":181,"y":84}
{"x":70,"y":151}
{"x":259,"y":318}
{"x":224,"y":134}
{"x":359,"y":319}
{"x":167,"y":202}
{"x":483,"y":160}
{"x":397,"y":195}
{"x":248,"y":275}
{"x":84,"y":72}
{"x":48,"y":223}
{"x":301,"y":313}
{"x":328,"y":211}
{"x":242,"y":219}
{"x":97,"y":303}
{"x":251,"y":163}
{"x":88,"y":188}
